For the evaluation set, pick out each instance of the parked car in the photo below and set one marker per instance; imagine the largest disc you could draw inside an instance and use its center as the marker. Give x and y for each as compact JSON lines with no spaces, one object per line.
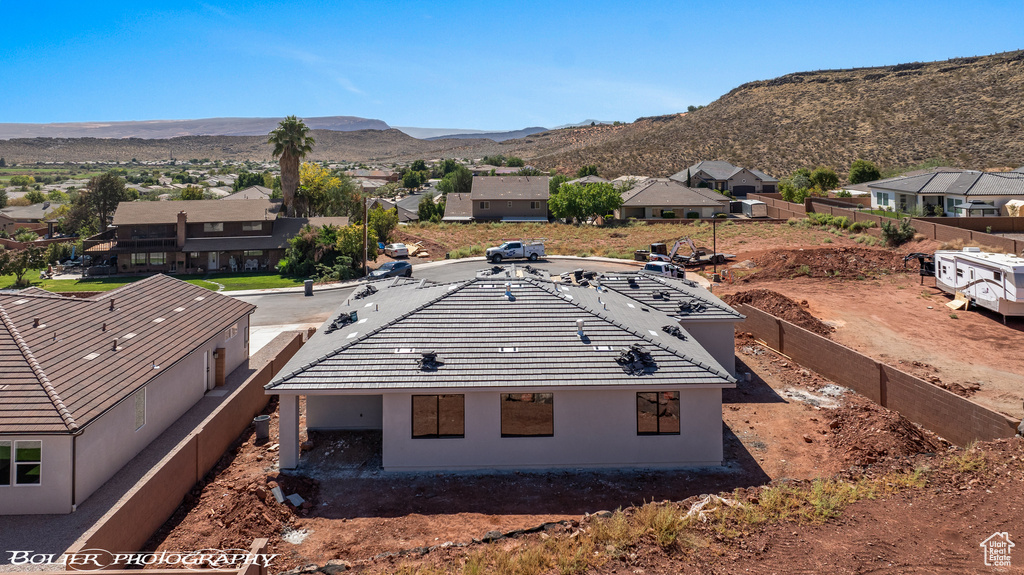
{"x":396,"y":251}
{"x":392,"y":269}
{"x":509,"y":250}
{"x":664,"y":269}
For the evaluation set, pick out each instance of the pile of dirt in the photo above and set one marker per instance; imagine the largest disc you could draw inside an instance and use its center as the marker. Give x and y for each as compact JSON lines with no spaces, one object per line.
{"x":868,"y":434}
{"x":779,"y":306}
{"x":436,"y":250}
{"x":838,"y":262}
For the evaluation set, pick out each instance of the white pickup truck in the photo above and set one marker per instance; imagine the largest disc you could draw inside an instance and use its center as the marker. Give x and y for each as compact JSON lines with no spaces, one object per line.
{"x":512,"y":250}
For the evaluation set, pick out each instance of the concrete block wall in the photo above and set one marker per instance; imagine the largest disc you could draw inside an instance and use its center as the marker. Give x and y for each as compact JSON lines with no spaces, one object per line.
{"x":955,"y":418}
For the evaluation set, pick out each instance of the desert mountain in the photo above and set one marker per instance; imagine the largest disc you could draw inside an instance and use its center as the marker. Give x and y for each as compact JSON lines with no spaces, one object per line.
{"x":496,"y":136}
{"x":176,"y":128}
{"x":967,"y":111}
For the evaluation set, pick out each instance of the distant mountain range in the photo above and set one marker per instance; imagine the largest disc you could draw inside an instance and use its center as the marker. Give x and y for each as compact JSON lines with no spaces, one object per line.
{"x":583,"y":123}
{"x":160,"y":129}
{"x":496,"y":136}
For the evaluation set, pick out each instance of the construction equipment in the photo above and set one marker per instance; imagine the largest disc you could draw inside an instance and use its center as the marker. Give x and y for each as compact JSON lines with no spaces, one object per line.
{"x":696,"y":257}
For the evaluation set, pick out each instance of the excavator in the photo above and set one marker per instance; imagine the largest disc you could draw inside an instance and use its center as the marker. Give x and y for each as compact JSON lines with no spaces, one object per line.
{"x":696,"y":257}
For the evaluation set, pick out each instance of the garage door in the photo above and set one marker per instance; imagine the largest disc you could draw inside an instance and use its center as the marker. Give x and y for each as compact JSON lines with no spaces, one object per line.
{"x":768,"y":188}
{"x":742,"y":190}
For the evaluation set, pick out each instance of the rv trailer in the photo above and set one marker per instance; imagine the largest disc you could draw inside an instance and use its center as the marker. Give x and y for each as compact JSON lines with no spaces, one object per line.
{"x":993,"y":281}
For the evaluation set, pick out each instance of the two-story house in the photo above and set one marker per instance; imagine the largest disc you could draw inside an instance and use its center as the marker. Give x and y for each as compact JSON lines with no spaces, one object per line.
{"x":196,"y":236}
{"x":501,"y":198}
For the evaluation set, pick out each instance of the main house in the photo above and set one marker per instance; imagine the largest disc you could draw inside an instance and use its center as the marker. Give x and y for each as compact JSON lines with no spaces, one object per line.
{"x":88,"y":383}
{"x":501,"y":198}
{"x":520,"y":372}
{"x":194,"y":236}
{"x":719,"y":175}
{"x":949,"y":192}
{"x":654,"y":197}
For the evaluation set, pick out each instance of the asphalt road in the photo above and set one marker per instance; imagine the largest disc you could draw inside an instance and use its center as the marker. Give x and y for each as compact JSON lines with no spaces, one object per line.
{"x":296,"y":308}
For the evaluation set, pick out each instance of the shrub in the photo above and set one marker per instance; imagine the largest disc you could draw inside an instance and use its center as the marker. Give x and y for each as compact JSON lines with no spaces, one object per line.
{"x":844,"y":194}
{"x":897,"y":234}
{"x":692,"y":215}
{"x":668,"y":214}
{"x":721,"y":216}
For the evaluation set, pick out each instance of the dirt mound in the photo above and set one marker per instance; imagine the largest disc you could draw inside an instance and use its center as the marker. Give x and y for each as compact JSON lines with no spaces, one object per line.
{"x":839,"y":262}
{"x":872,"y":434}
{"x":435,"y":249}
{"x":779,"y":306}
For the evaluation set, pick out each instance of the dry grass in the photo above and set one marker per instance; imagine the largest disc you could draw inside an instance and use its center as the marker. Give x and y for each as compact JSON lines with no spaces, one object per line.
{"x":972,"y":460}
{"x":959,"y":244}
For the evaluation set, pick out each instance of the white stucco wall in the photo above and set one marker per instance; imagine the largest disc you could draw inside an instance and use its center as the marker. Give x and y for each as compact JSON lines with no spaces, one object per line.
{"x":109,"y":442}
{"x":344,"y":412}
{"x":53,"y":494}
{"x":592,"y":428}
{"x":717,"y":338}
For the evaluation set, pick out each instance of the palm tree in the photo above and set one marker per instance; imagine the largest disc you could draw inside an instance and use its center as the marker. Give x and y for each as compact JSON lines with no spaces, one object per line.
{"x":291,"y":142}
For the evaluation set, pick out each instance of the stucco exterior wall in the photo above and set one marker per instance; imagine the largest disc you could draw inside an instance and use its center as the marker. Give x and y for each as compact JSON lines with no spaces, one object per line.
{"x":592,"y":428}
{"x":718,"y":339}
{"x":53,"y":494}
{"x":501,"y":209}
{"x":746,"y":178}
{"x":344,"y":412}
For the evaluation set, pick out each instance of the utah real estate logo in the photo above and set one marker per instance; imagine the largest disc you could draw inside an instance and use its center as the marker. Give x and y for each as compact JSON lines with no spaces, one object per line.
{"x":997,"y":549}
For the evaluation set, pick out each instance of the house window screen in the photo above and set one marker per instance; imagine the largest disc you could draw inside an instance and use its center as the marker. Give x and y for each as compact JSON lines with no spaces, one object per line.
{"x":213,"y":227}
{"x":158,"y":258}
{"x":657,"y":413}
{"x":252,"y":227}
{"x":140,"y":408}
{"x":485,"y":205}
{"x":438,"y":416}
{"x":5,"y":462}
{"x":527,"y":415}
{"x":28,"y":462}
{"x":138,"y":259}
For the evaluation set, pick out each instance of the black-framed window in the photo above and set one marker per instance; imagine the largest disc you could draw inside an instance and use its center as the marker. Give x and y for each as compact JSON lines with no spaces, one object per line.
{"x":25,"y":459}
{"x":527,"y":415}
{"x":438,"y":416}
{"x":657,"y":413}
{"x":6,"y":458}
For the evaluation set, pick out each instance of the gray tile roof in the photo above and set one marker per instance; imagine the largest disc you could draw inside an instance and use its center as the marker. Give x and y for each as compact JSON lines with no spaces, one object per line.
{"x":1019,"y":170}
{"x":251,"y":193}
{"x":588,"y":180}
{"x":486,"y":341}
{"x":510,"y":188}
{"x":679,"y":291}
{"x":669,"y":193}
{"x":718,"y":170}
{"x":958,"y":183}
{"x":32,"y":212}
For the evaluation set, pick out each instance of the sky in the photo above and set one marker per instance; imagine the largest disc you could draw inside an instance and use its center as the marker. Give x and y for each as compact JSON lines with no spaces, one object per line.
{"x":468,"y":65}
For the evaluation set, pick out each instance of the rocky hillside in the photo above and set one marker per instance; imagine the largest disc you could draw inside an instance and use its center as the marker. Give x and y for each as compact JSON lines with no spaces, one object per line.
{"x":967,"y":111}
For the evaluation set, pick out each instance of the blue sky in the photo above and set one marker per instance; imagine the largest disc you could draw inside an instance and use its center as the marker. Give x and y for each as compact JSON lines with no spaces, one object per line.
{"x":474,"y":65}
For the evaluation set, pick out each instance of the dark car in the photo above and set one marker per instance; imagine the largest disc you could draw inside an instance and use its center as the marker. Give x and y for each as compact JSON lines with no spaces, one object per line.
{"x":392,"y":269}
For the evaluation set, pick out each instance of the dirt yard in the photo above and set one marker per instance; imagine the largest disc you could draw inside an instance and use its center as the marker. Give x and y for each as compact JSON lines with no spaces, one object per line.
{"x":890,"y":316}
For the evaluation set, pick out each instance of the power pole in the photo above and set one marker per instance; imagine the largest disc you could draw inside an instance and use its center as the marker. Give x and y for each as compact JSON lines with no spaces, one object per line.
{"x":365,"y":234}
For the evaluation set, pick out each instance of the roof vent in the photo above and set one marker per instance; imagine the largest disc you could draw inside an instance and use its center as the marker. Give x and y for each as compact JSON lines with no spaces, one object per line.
{"x":428,"y":361}
{"x":111,"y":304}
{"x":35,"y":322}
{"x":972,"y":249}
{"x":579,"y":327}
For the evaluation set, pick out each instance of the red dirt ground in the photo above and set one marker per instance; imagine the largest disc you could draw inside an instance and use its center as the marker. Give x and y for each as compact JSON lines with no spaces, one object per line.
{"x":779,"y":306}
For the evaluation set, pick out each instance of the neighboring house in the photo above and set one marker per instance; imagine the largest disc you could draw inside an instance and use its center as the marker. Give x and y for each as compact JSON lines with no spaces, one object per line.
{"x":588,"y":180}
{"x":369,"y":186}
{"x":199,"y":235}
{"x":653,"y":197}
{"x":387,"y":176}
{"x":404,"y":215}
{"x":89,"y":382}
{"x":458,"y":208}
{"x":524,"y":374}
{"x":487,"y":169}
{"x":32,"y":214}
{"x":502,"y":198}
{"x":949,"y":192}
{"x":251,"y":193}
{"x":724,"y":176}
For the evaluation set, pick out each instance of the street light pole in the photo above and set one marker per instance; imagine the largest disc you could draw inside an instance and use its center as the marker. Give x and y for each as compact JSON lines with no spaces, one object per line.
{"x":365,"y":234}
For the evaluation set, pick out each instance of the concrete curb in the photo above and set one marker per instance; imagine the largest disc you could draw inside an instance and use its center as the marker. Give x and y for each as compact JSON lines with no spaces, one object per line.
{"x":426,"y":265}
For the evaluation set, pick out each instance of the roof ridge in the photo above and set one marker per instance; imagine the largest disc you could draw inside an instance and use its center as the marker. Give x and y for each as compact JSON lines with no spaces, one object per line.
{"x":378,"y":329}
{"x":107,"y":294}
{"x":37,"y":369}
{"x":642,"y":336}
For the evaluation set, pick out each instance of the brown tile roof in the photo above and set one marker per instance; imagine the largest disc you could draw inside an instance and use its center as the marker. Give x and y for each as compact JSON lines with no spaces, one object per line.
{"x":199,"y":211}
{"x":667,"y":193}
{"x":510,"y":188}
{"x":62,"y":375}
{"x":458,"y":207}
{"x":250,"y":193}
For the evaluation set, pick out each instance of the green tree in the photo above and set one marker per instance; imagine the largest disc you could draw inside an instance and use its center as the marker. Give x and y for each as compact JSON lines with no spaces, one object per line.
{"x":19,"y":262}
{"x":383,"y":222}
{"x":322,"y":193}
{"x":291,"y":142}
{"x":585,"y":171}
{"x":3,"y":198}
{"x":418,"y":166}
{"x":528,"y":171}
{"x":555,"y":182}
{"x":497,"y":160}
{"x":105,"y":192}
{"x":350,"y":244}
{"x":824,"y":178}
{"x":426,"y":208}
{"x":458,"y":181}
{"x":3,"y":162}
{"x":514,"y":162}
{"x":448,"y":166}
{"x":248,"y":180}
{"x":23,"y":181}
{"x":191,"y":193}
{"x":577,"y":202}
{"x":35,"y":197}
{"x":25,"y":235}
{"x":864,"y":171}
{"x":412,"y":180}
{"x":57,"y":196}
